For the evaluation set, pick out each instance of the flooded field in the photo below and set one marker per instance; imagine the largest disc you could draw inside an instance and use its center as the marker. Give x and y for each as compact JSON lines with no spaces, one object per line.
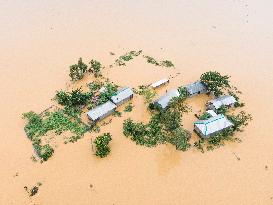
{"x":41,"y":39}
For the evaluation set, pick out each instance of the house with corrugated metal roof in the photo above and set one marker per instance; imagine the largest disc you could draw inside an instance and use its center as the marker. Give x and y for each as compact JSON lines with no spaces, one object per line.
{"x":164,"y":101}
{"x":122,"y":96}
{"x":211,"y":126}
{"x":102,"y":111}
{"x":215,"y":104}
{"x":196,"y":88}
{"x":160,"y":83}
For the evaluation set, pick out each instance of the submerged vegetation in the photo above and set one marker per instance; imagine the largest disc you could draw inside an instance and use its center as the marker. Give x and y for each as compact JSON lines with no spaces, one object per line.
{"x":128,"y":108}
{"x":95,"y":67}
{"x":163,"y":127}
{"x":102,"y":145}
{"x":147,"y":92}
{"x":127,"y":57}
{"x":77,"y":71}
{"x":164,"y":63}
{"x":58,"y":121}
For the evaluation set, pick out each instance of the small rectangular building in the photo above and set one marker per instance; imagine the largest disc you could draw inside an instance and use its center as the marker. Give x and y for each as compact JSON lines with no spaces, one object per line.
{"x":212,"y":113}
{"x":196,"y":88}
{"x":211,"y":126}
{"x":122,"y":96}
{"x":101,"y":111}
{"x":215,"y":104}
{"x":160,"y":83}
{"x":164,"y":101}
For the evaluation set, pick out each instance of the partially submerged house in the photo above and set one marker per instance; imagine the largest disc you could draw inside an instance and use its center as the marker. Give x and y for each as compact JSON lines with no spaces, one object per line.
{"x":101,"y":111}
{"x":122,"y":96}
{"x":196,"y":88}
{"x":215,"y":104}
{"x":164,"y":101}
{"x":160,"y":83}
{"x":211,"y":126}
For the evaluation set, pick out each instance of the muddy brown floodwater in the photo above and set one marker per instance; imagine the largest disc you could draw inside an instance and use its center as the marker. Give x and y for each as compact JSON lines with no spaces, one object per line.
{"x":40,"y":39}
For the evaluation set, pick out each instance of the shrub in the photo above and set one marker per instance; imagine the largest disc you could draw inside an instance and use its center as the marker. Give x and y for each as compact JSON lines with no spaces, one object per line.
{"x":44,"y":152}
{"x":166,"y":63}
{"x":147,"y":92}
{"x":95,"y":67}
{"x":205,"y":116}
{"x":222,"y":110}
{"x":128,"y":108}
{"x":215,"y":82}
{"x":77,"y":71}
{"x":74,"y":98}
{"x":101,"y":142}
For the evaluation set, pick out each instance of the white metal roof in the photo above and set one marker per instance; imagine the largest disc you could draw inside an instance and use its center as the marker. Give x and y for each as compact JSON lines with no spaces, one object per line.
{"x":122,"y":94}
{"x":160,"y":82}
{"x":165,"y":99}
{"x":224,"y":100}
{"x":196,"y":87}
{"x":212,"y":113}
{"x":213,"y":124}
{"x":101,"y":110}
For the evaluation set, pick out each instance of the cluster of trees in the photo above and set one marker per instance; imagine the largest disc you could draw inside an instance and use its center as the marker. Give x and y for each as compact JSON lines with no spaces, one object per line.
{"x":102,"y":145}
{"x":77,"y":71}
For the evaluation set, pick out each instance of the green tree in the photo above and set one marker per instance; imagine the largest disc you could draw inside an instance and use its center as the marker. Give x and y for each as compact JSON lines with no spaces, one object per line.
{"x":77,"y":71}
{"x":102,"y":145}
{"x":215,"y":82}
{"x":95,"y":67}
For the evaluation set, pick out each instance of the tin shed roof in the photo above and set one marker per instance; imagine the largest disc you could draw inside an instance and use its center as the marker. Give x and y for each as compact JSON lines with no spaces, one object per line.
{"x":165,"y":99}
{"x":101,"y":110}
{"x":122,"y":94}
{"x":224,"y":100}
{"x":196,"y":87}
{"x":159,"y":83}
{"x":213,"y":124}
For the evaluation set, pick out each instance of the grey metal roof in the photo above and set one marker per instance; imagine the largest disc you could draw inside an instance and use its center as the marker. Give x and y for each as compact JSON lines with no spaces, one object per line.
{"x":165,"y":99}
{"x":223,"y":100}
{"x":122,"y":94}
{"x":211,"y":112}
{"x":213,"y":124}
{"x":160,"y":82}
{"x":196,"y":87}
{"x":101,"y":110}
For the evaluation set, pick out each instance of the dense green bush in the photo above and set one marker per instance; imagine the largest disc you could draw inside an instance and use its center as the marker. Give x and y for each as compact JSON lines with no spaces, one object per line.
{"x":215,"y":82}
{"x":74,"y":98}
{"x":101,"y":143}
{"x":77,"y":71}
{"x":163,"y":127}
{"x":128,"y":108}
{"x":147,"y":92}
{"x":95,"y":67}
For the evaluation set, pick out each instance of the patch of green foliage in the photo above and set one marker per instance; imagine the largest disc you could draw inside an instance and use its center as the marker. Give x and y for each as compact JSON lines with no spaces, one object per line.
{"x":183,"y":93}
{"x":57,"y":121}
{"x":73,"y":99}
{"x":151,"y":60}
{"x":164,"y":63}
{"x":116,"y":113}
{"x":95,"y":86}
{"x":167,"y":63}
{"x":163,"y":127}
{"x":205,"y":116}
{"x":127,"y":57}
{"x":110,"y":90}
{"x":128,"y":108}
{"x":77,"y":71}
{"x":147,"y":92}
{"x":102,"y":145}
{"x":95,"y":67}
{"x":215,"y":82}
{"x":222,"y":110}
